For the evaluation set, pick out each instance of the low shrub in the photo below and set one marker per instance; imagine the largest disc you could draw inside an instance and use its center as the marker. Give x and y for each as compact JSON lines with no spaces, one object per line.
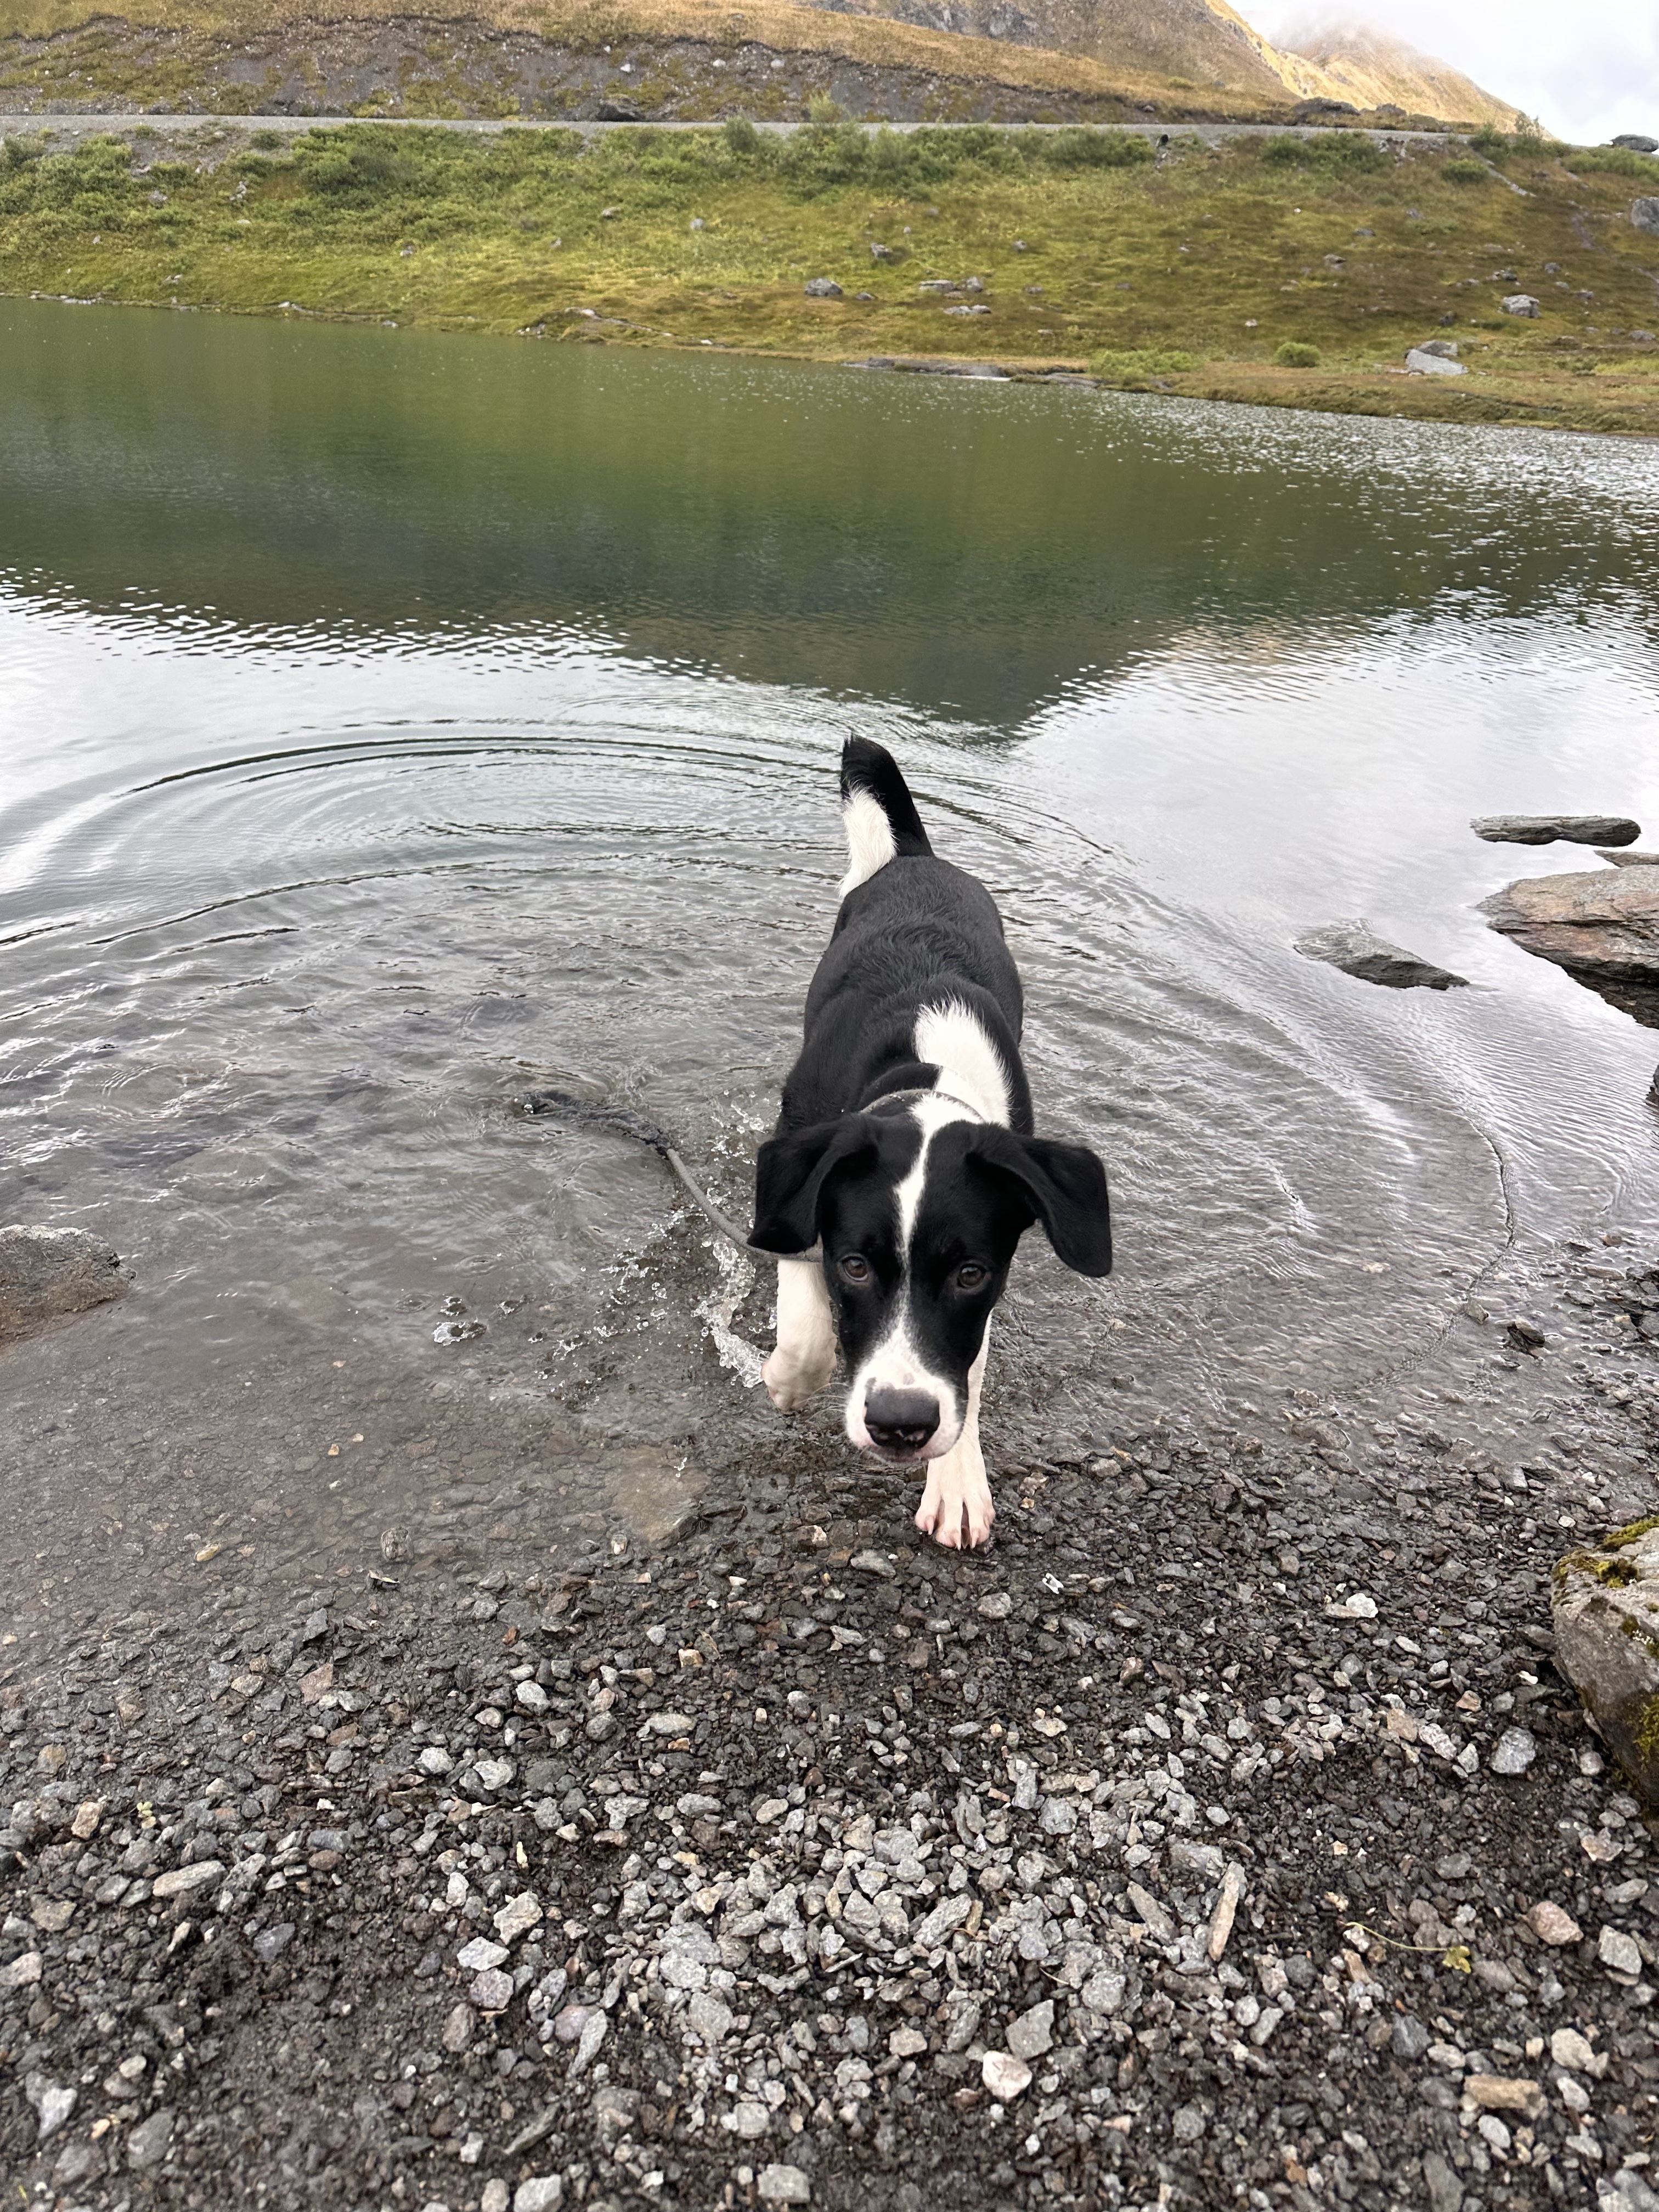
{"x":1146,"y":360}
{"x":1295,"y":354}
{"x":1338,"y":153}
{"x":1465,"y":170}
{"x":1613,"y":161}
{"x":1078,"y":148}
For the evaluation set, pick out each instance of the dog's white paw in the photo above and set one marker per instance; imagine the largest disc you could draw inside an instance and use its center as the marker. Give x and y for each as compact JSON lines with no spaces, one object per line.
{"x":790,"y":1385}
{"x":956,"y":1509}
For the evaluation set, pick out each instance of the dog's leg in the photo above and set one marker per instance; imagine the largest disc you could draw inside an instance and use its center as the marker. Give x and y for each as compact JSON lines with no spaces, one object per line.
{"x":805,"y":1356}
{"x":957,"y":1493}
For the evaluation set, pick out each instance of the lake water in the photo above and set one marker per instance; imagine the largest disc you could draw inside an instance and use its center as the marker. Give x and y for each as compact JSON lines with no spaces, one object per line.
{"x":389,"y":724}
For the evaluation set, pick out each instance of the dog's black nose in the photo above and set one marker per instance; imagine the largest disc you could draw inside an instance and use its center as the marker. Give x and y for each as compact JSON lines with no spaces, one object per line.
{"x":900,"y":1420}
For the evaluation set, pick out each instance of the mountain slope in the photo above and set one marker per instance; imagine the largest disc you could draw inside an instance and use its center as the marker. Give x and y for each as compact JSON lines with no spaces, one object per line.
{"x":1353,"y":62}
{"x":1201,"y":44}
{"x":1207,"y":46}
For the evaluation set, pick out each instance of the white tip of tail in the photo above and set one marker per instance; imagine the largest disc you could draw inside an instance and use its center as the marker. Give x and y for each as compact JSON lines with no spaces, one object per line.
{"x":869,"y":841}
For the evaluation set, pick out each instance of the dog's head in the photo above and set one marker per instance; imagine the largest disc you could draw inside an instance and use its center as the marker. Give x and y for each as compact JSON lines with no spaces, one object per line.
{"x":919,"y":1212}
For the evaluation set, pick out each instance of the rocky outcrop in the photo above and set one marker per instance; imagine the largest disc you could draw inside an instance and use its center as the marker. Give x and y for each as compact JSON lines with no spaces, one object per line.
{"x":1606,"y":1615}
{"x":1602,"y":927}
{"x":1435,"y":360}
{"x":1357,"y":950}
{"x":46,"y":1274}
{"x":1645,"y":214}
{"x":1628,"y":860}
{"x":1552,"y":829}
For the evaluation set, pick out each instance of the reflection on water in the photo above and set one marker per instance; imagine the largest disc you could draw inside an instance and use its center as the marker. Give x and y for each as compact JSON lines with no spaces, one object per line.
{"x":389,"y":724}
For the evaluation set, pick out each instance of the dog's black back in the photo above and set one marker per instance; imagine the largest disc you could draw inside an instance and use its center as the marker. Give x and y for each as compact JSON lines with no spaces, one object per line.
{"x":919,"y":931}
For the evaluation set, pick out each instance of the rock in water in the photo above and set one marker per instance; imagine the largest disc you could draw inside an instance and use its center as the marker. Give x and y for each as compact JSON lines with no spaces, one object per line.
{"x":1357,"y":950}
{"x":1605,"y":1605}
{"x":1629,"y":859}
{"x":1602,"y":927}
{"x":47,"y":1273}
{"x":1549,"y":829}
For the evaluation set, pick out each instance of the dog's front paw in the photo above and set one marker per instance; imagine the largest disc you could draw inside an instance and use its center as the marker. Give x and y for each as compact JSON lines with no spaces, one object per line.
{"x":790,"y":1386}
{"x":956,"y":1509}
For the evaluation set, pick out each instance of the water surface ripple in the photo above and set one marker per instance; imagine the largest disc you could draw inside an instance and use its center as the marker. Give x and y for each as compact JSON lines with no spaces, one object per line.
{"x":387,"y":724}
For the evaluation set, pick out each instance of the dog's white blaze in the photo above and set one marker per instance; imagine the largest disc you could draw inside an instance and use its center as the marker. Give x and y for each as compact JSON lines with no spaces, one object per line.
{"x":930,"y":1114}
{"x":896,"y":1365}
{"x":951,"y":1038}
{"x":870,"y":840}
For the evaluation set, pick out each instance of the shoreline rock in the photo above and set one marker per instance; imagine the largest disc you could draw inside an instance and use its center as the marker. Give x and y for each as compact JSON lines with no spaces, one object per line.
{"x":1605,"y":1609}
{"x":1602,"y":926}
{"x":1357,"y":951}
{"x":47,"y":1275}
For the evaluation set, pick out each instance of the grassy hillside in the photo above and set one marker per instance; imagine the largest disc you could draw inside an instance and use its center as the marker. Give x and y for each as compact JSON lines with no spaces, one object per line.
{"x":1188,"y":274}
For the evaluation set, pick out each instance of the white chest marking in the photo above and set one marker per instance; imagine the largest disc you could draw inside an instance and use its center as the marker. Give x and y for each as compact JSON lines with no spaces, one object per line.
{"x":951,"y":1038}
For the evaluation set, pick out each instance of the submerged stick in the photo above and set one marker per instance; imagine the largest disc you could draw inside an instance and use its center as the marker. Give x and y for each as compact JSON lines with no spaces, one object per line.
{"x":584,"y":1114}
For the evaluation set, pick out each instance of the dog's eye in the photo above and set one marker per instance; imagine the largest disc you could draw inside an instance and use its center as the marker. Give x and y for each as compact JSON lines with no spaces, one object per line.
{"x":855,"y":1267}
{"x":972,"y":1276}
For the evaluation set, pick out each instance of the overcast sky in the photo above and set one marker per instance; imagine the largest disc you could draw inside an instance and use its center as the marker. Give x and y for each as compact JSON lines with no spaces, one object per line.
{"x":1588,"y":69}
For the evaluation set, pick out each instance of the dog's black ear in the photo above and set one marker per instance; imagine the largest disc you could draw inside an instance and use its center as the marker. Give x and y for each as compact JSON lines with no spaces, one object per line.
{"x":1065,"y":1187}
{"x":790,"y":1175}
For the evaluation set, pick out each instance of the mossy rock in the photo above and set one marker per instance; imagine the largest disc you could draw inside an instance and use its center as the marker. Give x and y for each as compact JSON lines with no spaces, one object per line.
{"x":1605,"y":1604}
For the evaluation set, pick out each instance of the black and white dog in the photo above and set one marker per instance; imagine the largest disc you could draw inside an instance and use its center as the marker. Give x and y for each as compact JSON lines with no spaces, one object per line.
{"x":904,"y":1148}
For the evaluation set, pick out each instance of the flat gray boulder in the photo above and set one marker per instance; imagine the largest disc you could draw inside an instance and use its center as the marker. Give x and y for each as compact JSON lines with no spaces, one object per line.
{"x":1604,"y":1607}
{"x":1636,"y":143}
{"x":1357,"y":950}
{"x":1421,"y":361}
{"x":1645,"y":214}
{"x":1556,"y":829}
{"x":1629,"y":859}
{"x":1602,"y":926}
{"x":46,"y":1274}
{"x":1520,"y":303}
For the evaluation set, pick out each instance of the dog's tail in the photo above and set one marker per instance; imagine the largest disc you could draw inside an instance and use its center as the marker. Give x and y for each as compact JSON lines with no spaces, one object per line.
{"x":877,"y":812}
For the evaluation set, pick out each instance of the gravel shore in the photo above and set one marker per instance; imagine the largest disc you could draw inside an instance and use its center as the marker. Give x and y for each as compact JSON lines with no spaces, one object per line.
{"x":1222,"y":1835}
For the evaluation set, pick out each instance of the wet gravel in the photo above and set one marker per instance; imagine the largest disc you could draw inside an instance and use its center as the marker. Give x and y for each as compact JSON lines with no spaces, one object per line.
{"x":1222,"y":1835}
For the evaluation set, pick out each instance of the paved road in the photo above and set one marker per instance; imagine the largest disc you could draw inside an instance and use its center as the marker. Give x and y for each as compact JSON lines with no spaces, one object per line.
{"x":77,"y":126}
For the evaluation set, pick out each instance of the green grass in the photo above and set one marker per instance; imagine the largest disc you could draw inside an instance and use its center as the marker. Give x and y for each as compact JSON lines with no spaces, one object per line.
{"x":1192,"y":271}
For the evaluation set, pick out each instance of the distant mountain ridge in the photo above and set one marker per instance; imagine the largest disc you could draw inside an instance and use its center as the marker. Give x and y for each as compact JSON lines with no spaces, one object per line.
{"x":1207,"y":46}
{"x":1351,"y":61}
